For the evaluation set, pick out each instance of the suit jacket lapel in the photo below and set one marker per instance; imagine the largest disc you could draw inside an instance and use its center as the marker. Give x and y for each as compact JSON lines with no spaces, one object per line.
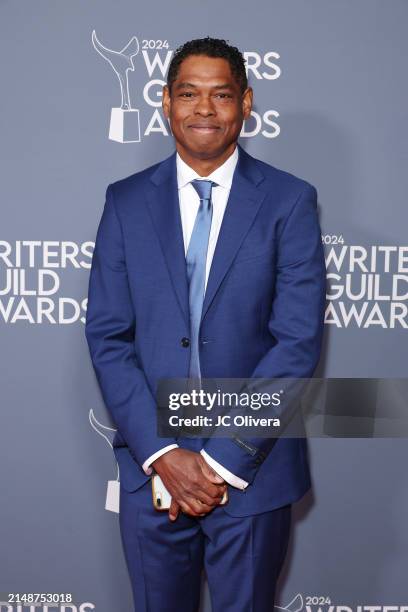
{"x":163,"y":203}
{"x":244,"y":201}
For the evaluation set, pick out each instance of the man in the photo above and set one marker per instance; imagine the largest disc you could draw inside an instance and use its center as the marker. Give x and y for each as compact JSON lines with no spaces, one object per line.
{"x":207,"y":264}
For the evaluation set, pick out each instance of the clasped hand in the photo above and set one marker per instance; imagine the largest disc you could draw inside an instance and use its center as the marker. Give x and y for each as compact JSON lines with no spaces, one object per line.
{"x":193,"y":485}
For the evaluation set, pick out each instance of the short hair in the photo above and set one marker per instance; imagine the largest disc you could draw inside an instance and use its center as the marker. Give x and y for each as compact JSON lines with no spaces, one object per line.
{"x":211,"y":47}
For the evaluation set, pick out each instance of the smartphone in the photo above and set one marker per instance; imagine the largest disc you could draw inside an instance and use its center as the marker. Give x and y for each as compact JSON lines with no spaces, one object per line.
{"x":162,"y":498}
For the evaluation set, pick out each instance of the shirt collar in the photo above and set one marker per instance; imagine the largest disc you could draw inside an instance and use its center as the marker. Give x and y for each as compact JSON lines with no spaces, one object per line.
{"x":221,"y":175}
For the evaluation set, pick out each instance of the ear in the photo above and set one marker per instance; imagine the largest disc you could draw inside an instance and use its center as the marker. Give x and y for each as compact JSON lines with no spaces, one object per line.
{"x":246,"y":102}
{"x":166,"y":101}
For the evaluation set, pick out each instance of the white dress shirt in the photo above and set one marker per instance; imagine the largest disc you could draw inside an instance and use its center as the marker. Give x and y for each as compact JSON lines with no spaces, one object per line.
{"x":189,"y":204}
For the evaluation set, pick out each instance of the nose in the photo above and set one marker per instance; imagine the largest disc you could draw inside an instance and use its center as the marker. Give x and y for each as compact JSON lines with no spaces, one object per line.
{"x":204,"y":106}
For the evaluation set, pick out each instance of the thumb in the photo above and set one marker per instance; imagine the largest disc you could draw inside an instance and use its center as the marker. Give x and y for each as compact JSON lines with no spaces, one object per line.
{"x":211,"y":474}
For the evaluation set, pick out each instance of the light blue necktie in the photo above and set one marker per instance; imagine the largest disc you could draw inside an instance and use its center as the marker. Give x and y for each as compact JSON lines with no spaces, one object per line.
{"x":196,"y":258}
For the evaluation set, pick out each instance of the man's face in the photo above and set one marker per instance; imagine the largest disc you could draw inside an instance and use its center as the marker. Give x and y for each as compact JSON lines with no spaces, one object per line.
{"x":206,"y":108}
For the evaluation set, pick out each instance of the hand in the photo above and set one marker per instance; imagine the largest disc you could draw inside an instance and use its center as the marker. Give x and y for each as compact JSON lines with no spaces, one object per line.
{"x":193,"y":485}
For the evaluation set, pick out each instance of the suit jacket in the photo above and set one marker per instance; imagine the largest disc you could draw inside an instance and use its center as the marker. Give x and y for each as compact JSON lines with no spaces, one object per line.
{"x":262,"y":314}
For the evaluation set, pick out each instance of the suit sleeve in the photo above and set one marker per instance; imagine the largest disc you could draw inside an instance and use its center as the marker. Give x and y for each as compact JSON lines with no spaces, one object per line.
{"x":296,"y":324}
{"x":110,"y":331}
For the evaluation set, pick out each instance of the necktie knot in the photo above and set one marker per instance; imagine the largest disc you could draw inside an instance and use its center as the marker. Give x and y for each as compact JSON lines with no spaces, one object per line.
{"x":203,"y":188}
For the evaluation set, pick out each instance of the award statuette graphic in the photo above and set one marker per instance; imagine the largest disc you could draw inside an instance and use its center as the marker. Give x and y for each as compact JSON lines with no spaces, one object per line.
{"x":296,"y":605}
{"x":112,"y":493}
{"x":124,"y":121}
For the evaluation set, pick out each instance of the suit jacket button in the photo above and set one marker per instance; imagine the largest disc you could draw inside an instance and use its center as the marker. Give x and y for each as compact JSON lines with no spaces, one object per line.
{"x":185,"y":342}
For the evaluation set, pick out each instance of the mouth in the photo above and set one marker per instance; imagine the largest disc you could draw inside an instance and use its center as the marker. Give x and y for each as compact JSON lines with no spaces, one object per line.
{"x":203,"y":128}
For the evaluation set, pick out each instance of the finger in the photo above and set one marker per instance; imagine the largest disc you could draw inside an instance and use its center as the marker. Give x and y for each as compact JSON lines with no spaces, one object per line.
{"x":210,"y":473}
{"x":198,"y":506}
{"x":198,"y":483}
{"x":173,"y":510}
{"x":186,"y":509}
{"x":207,"y":488}
{"x":190,"y":506}
{"x":209,"y":500}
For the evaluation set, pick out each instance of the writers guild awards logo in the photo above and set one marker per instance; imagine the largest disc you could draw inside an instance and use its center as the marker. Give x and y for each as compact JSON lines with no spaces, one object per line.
{"x":324,"y":603}
{"x":125,"y":121}
{"x":112,"y":492}
{"x":294,"y":606}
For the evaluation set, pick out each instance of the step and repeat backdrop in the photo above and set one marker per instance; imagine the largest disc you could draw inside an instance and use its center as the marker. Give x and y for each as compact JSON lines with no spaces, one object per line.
{"x":330,"y":90}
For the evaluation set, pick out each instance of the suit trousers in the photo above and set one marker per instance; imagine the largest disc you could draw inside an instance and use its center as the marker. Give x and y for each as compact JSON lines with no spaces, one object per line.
{"x":242,"y":556}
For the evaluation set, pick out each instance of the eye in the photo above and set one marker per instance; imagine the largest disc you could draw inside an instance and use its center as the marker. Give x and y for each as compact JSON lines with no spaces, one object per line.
{"x":186,"y":94}
{"x":224,"y":95}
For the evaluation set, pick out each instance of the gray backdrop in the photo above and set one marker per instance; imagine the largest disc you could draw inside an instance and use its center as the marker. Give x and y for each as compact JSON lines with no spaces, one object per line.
{"x":333,"y":111}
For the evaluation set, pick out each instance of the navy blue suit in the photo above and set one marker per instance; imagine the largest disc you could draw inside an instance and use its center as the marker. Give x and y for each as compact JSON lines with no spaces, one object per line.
{"x":262,"y":317}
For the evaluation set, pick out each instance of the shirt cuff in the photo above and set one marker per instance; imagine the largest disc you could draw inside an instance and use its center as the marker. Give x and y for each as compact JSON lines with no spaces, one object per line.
{"x":146,"y":466}
{"x":232,"y":479}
